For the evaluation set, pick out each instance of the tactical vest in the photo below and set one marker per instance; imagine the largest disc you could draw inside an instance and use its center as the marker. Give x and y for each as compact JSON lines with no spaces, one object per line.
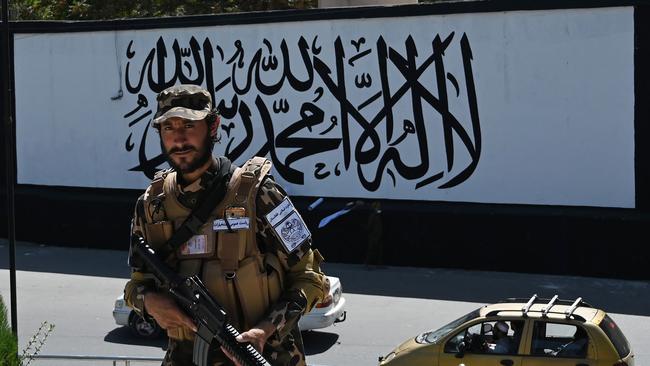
{"x":241,"y":278}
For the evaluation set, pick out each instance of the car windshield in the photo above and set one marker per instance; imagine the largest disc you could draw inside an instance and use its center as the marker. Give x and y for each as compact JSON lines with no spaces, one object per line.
{"x":435,"y":335}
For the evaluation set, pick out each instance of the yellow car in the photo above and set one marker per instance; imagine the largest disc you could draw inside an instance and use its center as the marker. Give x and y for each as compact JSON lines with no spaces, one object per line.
{"x":517,"y":332}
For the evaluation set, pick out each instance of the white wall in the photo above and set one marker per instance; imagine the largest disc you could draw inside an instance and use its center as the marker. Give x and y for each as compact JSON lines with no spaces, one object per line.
{"x":554,"y":96}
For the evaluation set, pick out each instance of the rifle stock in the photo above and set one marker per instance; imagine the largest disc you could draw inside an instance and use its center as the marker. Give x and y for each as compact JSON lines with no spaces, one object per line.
{"x":211,"y":319}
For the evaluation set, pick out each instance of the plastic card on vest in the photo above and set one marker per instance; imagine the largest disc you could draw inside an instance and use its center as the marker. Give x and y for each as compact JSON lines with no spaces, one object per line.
{"x":287,"y":225}
{"x":196,"y":245}
{"x":237,"y":223}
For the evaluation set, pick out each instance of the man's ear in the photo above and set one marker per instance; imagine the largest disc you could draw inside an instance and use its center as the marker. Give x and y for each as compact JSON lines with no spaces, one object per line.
{"x":215,"y":126}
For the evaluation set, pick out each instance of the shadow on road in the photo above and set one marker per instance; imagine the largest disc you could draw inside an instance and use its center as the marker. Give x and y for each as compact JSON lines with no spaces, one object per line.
{"x":317,"y":342}
{"x":614,"y":296}
{"x":75,"y":261}
{"x":123,"y":335}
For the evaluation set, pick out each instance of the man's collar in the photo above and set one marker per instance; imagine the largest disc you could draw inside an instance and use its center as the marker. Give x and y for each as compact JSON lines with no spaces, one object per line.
{"x":204,"y":180}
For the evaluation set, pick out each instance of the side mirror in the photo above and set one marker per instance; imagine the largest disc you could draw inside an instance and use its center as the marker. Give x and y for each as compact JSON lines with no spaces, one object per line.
{"x":461,"y":350}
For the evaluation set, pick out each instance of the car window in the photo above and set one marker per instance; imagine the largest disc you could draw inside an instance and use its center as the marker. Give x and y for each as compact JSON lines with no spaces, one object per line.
{"x":492,"y":337}
{"x":453,"y":344}
{"x":555,"y":330}
{"x":616,"y":336}
{"x":559,"y":340}
{"x":434,"y":336}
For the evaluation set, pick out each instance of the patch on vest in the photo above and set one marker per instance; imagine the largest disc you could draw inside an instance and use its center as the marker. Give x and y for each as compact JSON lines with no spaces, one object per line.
{"x":198,"y":244}
{"x":235,"y":211}
{"x":287,"y":225}
{"x":238,"y":223}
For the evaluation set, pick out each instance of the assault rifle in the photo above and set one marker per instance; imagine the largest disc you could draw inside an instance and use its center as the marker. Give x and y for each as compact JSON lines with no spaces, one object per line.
{"x":192,"y":296}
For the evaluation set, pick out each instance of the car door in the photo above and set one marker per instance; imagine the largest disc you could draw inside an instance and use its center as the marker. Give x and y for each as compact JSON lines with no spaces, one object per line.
{"x":554,"y":343}
{"x":476,"y":339}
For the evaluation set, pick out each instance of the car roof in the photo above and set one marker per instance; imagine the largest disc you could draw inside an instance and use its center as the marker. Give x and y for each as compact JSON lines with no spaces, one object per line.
{"x":558,"y":310}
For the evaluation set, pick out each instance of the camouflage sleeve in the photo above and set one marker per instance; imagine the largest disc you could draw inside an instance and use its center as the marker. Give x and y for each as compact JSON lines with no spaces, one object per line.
{"x":305,"y":283}
{"x":140,"y":281}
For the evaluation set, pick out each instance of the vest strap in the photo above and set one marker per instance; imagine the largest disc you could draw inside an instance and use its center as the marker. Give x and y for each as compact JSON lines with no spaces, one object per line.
{"x":228,"y":251}
{"x":253,"y":172}
{"x":157,"y":193}
{"x":233,"y":246}
{"x":157,"y":182}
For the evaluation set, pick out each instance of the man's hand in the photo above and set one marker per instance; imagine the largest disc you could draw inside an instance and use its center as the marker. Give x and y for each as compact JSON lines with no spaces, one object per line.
{"x":255,"y":336}
{"x":163,"y":308}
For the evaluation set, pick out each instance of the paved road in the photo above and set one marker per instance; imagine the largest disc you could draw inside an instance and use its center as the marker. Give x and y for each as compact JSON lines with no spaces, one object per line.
{"x":75,"y":289}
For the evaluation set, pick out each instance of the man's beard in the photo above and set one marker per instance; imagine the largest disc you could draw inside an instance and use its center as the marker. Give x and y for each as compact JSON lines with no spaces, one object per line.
{"x":205,"y":154}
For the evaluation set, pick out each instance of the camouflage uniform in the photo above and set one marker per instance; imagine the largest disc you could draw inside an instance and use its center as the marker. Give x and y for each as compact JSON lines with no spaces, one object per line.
{"x":304,"y":283}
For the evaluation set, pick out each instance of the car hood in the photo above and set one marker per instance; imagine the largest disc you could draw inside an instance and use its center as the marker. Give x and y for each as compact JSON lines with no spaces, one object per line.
{"x":413,"y":354}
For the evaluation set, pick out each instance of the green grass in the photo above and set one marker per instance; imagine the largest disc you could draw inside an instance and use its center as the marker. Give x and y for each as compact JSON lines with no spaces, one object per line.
{"x":8,"y":343}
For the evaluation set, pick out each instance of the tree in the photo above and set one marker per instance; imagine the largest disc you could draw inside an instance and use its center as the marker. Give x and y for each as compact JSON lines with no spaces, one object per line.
{"x":115,"y":9}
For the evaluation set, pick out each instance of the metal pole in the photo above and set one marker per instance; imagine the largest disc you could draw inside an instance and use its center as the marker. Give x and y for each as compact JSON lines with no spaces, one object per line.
{"x":9,"y":155}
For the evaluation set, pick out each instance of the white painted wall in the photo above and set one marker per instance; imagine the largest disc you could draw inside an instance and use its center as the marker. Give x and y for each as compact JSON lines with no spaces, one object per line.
{"x":554,"y":94}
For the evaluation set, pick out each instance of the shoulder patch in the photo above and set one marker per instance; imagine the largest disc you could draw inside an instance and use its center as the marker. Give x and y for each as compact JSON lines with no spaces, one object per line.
{"x":287,"y":225}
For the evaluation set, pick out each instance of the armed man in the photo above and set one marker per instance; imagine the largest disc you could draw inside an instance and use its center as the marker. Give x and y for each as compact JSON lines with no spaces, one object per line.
{"x":252,"y":251}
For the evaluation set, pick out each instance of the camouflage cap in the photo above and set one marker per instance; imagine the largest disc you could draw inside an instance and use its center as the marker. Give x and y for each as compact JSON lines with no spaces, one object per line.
{"x":185,"y":101}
